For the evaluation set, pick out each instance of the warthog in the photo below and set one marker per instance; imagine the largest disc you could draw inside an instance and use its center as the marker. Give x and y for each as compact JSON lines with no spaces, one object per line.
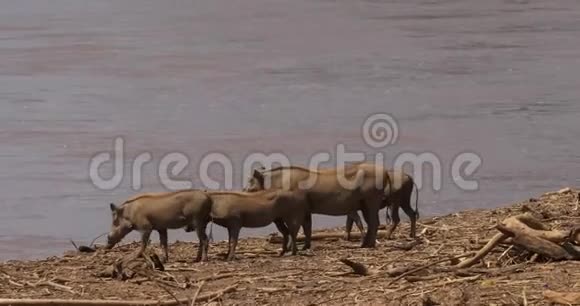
{"x":398,"y":194}
{"x":234,"y":210}
{"x":328,"y":193}
{"x":161,"y":211}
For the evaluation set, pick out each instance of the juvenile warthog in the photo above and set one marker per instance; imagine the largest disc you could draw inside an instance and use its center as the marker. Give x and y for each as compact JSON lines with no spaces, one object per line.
{"x":234,"y":210}
{"x":396,"y":195}
{"x":161,"y":211}
{"x":335,"y":192}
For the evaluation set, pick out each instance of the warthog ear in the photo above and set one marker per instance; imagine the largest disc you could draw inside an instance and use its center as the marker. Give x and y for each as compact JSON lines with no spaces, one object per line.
{"x":113,"y":207}
{"x":257,"y":174}
{"x":260,"y":177}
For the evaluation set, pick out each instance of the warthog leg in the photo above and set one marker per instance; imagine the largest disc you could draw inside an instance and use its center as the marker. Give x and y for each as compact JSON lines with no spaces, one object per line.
{"x":233,"y":233}
{"x":412,"y":216}
{"x":144,"y":242}
{"x":395,"y":219}
{"x":163,"y":242}
{"x":307,"y":228}
{"x":293,"y":227}
{"x":371,"y":215}
{"x":284,"y":231}
{"x":353,"y":218}
{"x":203,"y":240}
{"x":402,"y":199}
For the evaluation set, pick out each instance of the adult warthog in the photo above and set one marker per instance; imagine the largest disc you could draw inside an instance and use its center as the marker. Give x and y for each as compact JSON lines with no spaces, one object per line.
{"x":335,"y":192}
{"x":161,"y":211}
{"x":234,"y":210}
{"x":398,"y":194}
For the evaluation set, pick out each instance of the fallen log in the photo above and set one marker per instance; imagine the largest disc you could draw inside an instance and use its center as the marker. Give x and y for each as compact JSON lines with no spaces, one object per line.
{"x":535,"y":244}
{"x":526,"y":223}
{"x":531,"y":232}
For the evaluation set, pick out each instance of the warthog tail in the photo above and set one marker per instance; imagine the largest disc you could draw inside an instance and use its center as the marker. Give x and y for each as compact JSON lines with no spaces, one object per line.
{"x":387,"y":205}
{"x":416,"y":200}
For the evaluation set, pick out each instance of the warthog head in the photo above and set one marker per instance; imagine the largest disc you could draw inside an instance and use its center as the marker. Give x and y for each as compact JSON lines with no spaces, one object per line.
{"x":120,"y":226}
{"x":256,"y":182}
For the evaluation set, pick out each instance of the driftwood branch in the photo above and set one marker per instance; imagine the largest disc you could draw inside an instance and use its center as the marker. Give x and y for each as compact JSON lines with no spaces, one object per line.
{"x":194,"y":299}
{"x":428,"y":266}
{"x":527,"y":232}
{"x":497,"y":239}
{"x":566,"y":298}
{"x":535,"y":244}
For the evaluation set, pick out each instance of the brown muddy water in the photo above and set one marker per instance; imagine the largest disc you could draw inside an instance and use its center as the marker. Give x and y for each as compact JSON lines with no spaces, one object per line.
{"x":499,"y":78}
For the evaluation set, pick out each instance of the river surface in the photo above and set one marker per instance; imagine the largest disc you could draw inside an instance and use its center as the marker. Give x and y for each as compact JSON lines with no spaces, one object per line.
{"x":499,"y":78}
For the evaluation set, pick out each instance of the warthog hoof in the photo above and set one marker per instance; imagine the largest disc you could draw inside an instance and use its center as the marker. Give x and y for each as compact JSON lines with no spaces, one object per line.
{"x":370,"y":244}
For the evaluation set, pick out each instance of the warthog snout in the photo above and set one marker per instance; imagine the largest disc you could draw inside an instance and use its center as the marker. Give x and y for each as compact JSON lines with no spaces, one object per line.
{"x":110,"y":242}
{"x":120,"y":226}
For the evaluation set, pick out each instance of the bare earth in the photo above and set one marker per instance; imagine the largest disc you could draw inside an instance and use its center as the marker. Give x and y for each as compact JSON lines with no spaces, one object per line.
{"x":507,"y":276}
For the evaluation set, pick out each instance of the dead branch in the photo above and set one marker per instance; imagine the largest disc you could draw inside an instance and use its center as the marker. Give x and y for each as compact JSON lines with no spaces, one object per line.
{"x":397,"y":271}
{"x":530,"y":231}
{"x":15,"y":283}
{"x":493,"y":242}
{"x":428,"y":266}
{"x":412,"y":279}
{"x":566,"y":298}
{"x":529,"y":225}
{"x":223,"y":275}
{"x":494,"y":271}
{"x":453,"y":281}
{"x":57,"y":286}
{"x":535,"y":244}
{"x":182,"y":270}
{"x":197,"y":293}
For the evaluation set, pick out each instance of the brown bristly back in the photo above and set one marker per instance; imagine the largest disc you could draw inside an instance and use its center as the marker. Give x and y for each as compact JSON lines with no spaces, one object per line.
{"x":155,"y":195}
{"x":303,"y":169}
{"x":241,"y":193}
